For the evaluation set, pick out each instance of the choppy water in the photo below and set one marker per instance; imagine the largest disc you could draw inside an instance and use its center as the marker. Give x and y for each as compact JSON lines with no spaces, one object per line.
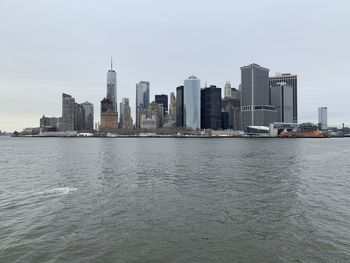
{"x":174,"y":200}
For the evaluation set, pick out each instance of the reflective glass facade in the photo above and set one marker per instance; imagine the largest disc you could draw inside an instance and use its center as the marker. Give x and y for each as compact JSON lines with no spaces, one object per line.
{"x":192,"y":100}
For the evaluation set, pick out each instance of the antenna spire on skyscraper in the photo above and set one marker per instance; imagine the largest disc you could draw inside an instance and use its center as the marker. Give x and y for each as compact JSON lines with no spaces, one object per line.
{"x":111,"y":62}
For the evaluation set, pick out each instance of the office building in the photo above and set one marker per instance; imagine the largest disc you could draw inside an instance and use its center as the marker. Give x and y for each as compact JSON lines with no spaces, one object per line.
{"x":211,"y":108}
{"x":126,"y":121}
{"x":79,"y":117}
{"x":49,"y":123}
{"x":172,"y":105}
{"x":109,"y":118}
{"x":180,"y":107}
{"x":109,"y":109}
{"x":322,"y":118}
{"x":290,"y":80}
{"x":148,"y":121}
{"x":255,"y":96}
{"x":142,"y":99}
{"x":225,"y":120}
{"x":112,"y":87}
{"x":281,"y":96}
{"x":227,"y":90}
{"x":88,"y":115}
{"x":191,"y":106}
{"x":233,"y":107}
{"x":68,"y":110}
{"x":235,"y":93}
{"x":163,"y":100}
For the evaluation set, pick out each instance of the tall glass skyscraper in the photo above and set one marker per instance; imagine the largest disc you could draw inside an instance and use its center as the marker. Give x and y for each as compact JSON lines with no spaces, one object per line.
{"x":142,"y":99}
{"x":322,"y":118}
{"x":89,"y":115}
{"x":192,"y":100}
{"x":112,"y":86}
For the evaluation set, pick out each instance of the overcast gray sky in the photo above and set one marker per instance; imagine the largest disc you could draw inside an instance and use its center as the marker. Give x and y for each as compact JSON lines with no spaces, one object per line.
{"x":50,"y":47}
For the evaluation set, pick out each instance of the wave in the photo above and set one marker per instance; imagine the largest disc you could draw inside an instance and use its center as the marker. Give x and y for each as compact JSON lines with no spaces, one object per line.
{"x":58,"y":191}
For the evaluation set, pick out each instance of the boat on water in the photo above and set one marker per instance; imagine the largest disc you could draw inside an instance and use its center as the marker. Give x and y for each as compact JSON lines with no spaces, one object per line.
{"x":303,"y":134}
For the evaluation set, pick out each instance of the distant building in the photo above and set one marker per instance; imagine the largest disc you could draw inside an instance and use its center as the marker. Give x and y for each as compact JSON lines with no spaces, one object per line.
{"x":180,"y":107}
{"x":163,"y":100}
{"x":233,"y":107}
{"x":88,"y":115}
{"x":225,"y":124}
{"x":291,"y":80}
{"x":170,"y":119}
{"x":172,"y":104}
{"x":79,"y":117}
{"x":109,"y":118}
{"x":109,"y":108}
{"x":112,"y":87}
{"x":49,"y":123}
{"x":191,"y":106}
{"x":142,"y":99}
{"x":68,"y":113}
{"x":255,"y":107}
{"x":148,"y":121}
{"x":211,"y":108}
{"x":234,"y":93}
{"x":322,"y":118}
{"x":281,"y":96}
{"x":126,"y":121}
{"x":227,"y":90}
{"x":157,"y":110}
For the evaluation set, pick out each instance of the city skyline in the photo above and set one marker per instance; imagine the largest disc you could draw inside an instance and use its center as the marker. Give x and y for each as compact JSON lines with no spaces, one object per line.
{"x":37,"y":62}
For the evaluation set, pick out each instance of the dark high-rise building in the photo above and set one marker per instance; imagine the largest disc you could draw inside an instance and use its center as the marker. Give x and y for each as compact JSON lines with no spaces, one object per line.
{"x":233,"y":107}
{"x":291,"y":80}
{"x":180,"y":106}
{"x":68,"y":109}
{"x":89,"y":115}
{"x":211,"y":108}
{"x":225,"y":120}
{"x":255,"y":97}
{"x":79,"y":117}
{"x":106,"y":105}
{"x":163,"y":100}
{"x":109,"y":117}
{"x":281,"y":96}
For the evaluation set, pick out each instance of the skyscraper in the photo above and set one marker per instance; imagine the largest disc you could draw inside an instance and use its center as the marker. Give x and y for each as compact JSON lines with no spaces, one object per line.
{"x":291,"y":80}
{"x":142,"y":99}
{"x":163,"y":100}
{"x":89,"y":115}
{"x":227,"y":90}
{"x":112,"y":86}
{"x":125,"y":114}
{"x":211,"y":117}
{"x":281,"y":96}
{"x":180,"y":106}
{"x":255,"y":107}
{"x":192,"y":100}
{"x":322,"y":118}
{"x":68,"y":110}
{"x":109,"y":118}
{"x":79,"y":117}
{"x":109,"y":108}
{"x":172,"y":105}
{"x":233,"y":107}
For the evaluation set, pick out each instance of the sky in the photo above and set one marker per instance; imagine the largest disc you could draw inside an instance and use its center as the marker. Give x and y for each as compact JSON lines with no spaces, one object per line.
{"x":51,"y":47}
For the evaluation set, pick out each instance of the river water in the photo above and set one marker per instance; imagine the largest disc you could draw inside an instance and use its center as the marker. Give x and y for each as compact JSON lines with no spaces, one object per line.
{"x":174,"y":200}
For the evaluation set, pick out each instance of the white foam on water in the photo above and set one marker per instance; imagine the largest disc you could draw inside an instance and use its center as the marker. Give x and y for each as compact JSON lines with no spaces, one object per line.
{"x":58,"y":191}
